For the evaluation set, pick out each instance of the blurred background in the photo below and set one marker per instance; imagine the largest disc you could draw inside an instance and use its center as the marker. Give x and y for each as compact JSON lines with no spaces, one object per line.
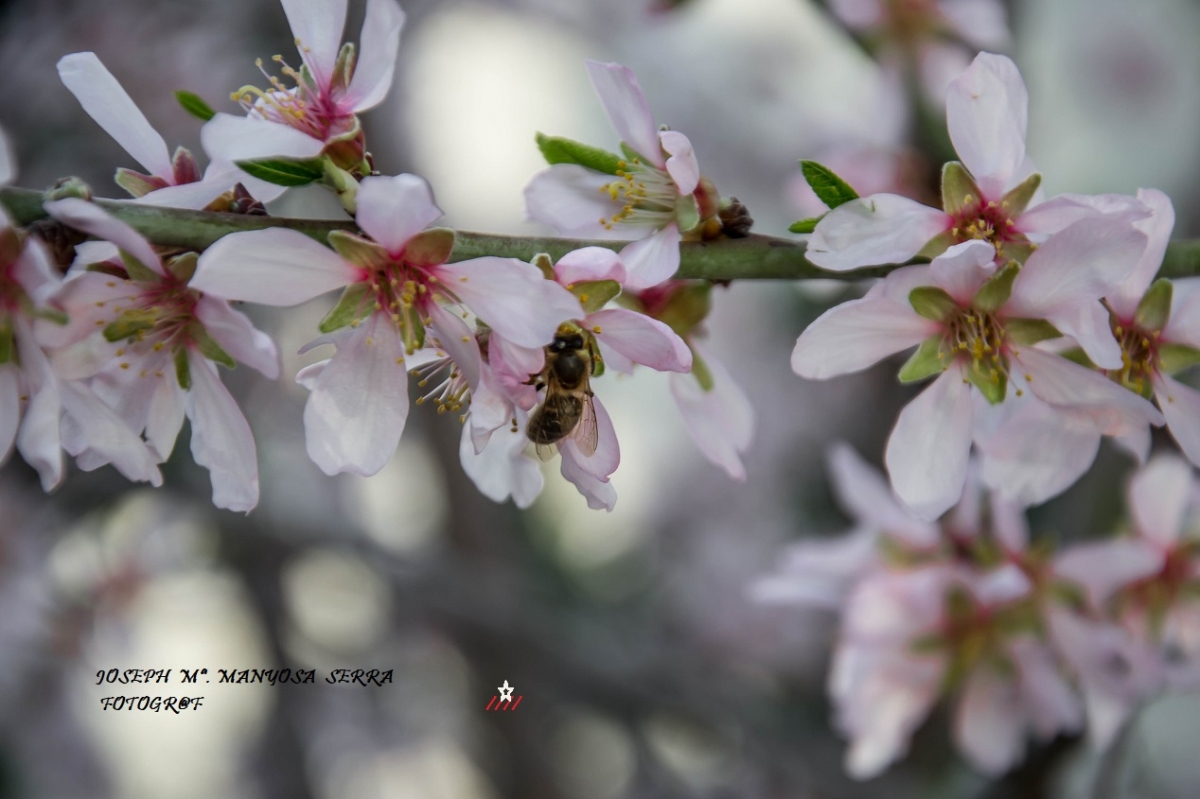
{"x":645,"y":670}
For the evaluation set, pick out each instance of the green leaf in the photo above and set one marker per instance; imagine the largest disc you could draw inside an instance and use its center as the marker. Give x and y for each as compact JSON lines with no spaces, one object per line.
{"x":285,"y":171}
{"x":354,"y":304}
{"x":183,"y":371}
{"x":194,"y":105}
{"x":1155,"y":308}
{"x":995,"y":292}
{"x":137,"y":270}
{"x":1017,"y":199}
{"x":595,"y":294}
{"x":560,"y":150}
{"x":829,"y":188}
{"x":1026,"y":332}
{"x":805,"y":225}
{"x":211,"y":349}
{"x":128,"y":325}
{"x":1177,"y":357}
{"x":925,"y":362}
{"x":991,"y":382}
{"x":959,"y":190}
{"x":932,"y":303}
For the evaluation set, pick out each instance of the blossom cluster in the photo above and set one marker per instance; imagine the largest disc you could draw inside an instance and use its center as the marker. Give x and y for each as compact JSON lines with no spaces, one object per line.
{"x":106,"y":361}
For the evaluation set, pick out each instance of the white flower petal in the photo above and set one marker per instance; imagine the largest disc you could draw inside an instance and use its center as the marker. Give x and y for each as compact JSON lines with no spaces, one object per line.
{"x":10,"y":409}
{"x":987,"y":112}
{"x":587,"y":264}
{"x":600,"y":494}
{"x":653,"y":259}
{"x":107,"y":437}
{"x":1159,"y":494}
{"x":38,"y":438}
{"x":627,"y":108}
{"x":1048,"y":217}
{"x":1181,"y":407}
{"x":1088,"y":323}
{"x":1047,"y":699}
{"x":570,"y":199}
{"x":980,"y":22}
{"x":641,"y":339}
{"x":1136,"y":443}
{"x":102,"y":97}
{"x":165,"y":417}
{"x":1184,"y":325}
{"x":317,"y":27}
{"x":90,"y":218}
{"x":229,"y":138}
{"x":1009,"y":525}
{"x":221,"y":438}
{"x":238,"y":336}
{"x":378,"y":46}
{"x":455,"y":338}
{"x":1104,"y":567}
{"x":1158,"y":227}
{"x":512,"y":297}
{"x":607,"y":457}
{"x":963,"y":269}
{"x":392,"y":210}
{"x":502,"y":469}
{"x":359,"y":402}
{"x":863,"y":492}
{"x":271,"y":267}
{"x":190,"y":195}
{"x":35,"y":270}
{"x":927,"y":452}
{"x":682,"y":165}
{"x":857,"y":334}
{"x":880,"y":229}
{"x":819,"y":572}
{"x":987,"y":722}
{"x":721,"y":420}
{"x":1114,"y":409}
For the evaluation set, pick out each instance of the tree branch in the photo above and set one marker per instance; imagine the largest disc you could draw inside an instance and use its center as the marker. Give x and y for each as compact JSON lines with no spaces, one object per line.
{"x":752,"y":258}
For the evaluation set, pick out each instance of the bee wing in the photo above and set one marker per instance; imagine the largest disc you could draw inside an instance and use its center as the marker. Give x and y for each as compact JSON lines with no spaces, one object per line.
{"x":546,"y":452}
{"x":587,"y":432}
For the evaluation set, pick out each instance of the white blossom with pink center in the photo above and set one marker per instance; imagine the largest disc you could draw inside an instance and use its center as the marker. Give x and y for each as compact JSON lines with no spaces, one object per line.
{"x":154,"y":340}
{"x":402,"y":295}
{"x":978,"y":326}
{"x":652,"y":191}
{"x":995,"y":199}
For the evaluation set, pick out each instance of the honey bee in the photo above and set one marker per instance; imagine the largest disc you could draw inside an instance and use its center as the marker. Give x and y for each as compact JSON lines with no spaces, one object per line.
{"x":566,"y":408}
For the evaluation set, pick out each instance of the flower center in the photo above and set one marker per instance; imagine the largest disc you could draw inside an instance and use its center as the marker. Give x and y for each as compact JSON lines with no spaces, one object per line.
{"x":988,"y":222}
{"x":980,"y":337}
{"x":646,"y":195}
{"x":1139,"y":358}
{"x":451,"y":391}
{"x":303,"y":106}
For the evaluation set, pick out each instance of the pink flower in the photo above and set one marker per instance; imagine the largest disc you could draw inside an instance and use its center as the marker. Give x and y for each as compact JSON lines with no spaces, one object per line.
{"x":653,"y":195}
{"x":993,"y":199}
{"x":399,"y":298}
{"x":977,"y":325}
{"x":173,"y":181}
{"x":334,"y":85}
{"x":151,"y":354}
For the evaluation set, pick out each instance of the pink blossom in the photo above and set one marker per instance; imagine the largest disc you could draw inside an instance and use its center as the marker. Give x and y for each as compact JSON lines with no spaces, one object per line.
{"x":654,"y":195}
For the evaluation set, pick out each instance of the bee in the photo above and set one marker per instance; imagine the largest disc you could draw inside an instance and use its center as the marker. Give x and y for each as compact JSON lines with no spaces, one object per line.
{"x":566,"y":408}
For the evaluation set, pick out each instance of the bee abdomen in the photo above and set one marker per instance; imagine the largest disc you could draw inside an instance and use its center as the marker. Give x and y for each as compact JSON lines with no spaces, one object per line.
{"x":555,"y":419}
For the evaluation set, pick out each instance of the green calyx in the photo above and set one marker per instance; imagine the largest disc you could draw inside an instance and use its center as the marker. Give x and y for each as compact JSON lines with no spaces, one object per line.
{"x":595,"y":294}
{"x":1154,"y":310}
{"x":354,"y":305}
{"x":933,"y":303}
{"x":995,"y":292}
{"x":926,"y":362}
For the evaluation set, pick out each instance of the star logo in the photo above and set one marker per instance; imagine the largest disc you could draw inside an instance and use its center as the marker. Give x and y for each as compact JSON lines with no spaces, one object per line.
{"x":506,"y":692}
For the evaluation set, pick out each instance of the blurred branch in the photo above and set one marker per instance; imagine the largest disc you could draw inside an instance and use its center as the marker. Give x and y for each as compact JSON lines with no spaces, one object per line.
{"x":752,"y":258}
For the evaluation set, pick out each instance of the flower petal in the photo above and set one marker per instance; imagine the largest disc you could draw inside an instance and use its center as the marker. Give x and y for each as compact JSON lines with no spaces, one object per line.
{"x":1104,"y":567}
{"x":1158,"y":227}
{"x":988,"y":727}
{"x":165,"y":416}
{"x":229,"y":138}
{"x":1047,"y":699}
{"x":1009,"y":525}
{"x":607,"y":457}
{"x":927,"y":452}
{"x":271,"y":267}
{"x":238,"y":336}
{"x":39,"y":438}
{"x":1184,"y":325}
{"x":963,"y":269}
{"x":720,"y":420}
{"x":90,"y":218}
{"x":1050,"y":216}
{"x":378,"y":45}
{"x":819,"y":571}
{"x":107,"y":437}
{"x":587,"y":264}
{"x":502,"y":469}
{"x":641,"y":339}
{"x":454,"y":337}
{"x":221,"y":438}
{"x":627,"y":108}
{"x":359,"y":401}
{"x":512,"y":297}
{"x":571,"y":199}
{"x":192,"y":195}
{"x":863,"y":492}
{"x":987,"y":112}
{"x":682,"y":165}
{"x":35,"y":270}
{"x":10,"y":409}
{"x":880,"y":229}
{"x":600,"y":494}
{"x":106,"y":102}
{"x":979,"y":22}
{"x":1159,"y":494}
{"x":392,"y":210}
{"x":1088,"y":323}
{"x":1114,"y":409}
{"x":651,"y":260}
{"x":1181,"y":406}
{"x":857,"y":334}
{"x":317,"y":27}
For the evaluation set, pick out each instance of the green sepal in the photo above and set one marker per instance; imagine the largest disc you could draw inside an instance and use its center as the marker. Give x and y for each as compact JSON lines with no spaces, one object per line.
{"x":129,"y":325}
{"x":211,"y":349}
{"x":7,"y":344}
{"x":430,"y":247}
{"x":289,"y":172}
{"x":700,"y":370}
{"x":632,"y":155}
{"x":137,"y":270}
{"x":412,"y":333}
{"x":687,"y":213}
{"x":194,"y":105}
{"x":1177,"y":357}
{"x":353,"y":306}
{"x":1155,"y":308}
{"x":932,"y":302}
{"x":51,"y":315}
{"x":1077,"y":355}
{"x":1017,"y":199}
{"x":1017,"y":250}
{"x":545,"y":264}
{"x":805,"y":225}
{"x":936,"y":246}
{"x":137,"y":184}
{"x":343,"y":68}
{"x":687,"y":308}
{"x":992,"y":385}
{"x":595,"y":294}
{"x":995,"y":292}
{"x":357,"y":250}
{"x":959,"y":189}
{"x":829,"y":188}
{"x":925,"y":362}
{"x":183,"y":267}
{"x":183,"y":370}
{"x":560,"y":150}
{"x":1026,"y":332}
{"x":598,"y":365}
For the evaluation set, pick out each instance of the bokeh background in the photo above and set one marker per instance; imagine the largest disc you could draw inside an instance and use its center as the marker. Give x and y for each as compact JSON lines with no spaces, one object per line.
{"x":645,"y":669}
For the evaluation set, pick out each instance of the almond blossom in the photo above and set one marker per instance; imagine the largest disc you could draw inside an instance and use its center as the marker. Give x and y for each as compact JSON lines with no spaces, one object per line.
{"x":992,"y":196}
{"x":400,"y":295}
{"x":654,"y":194}
{"x":154,"y":345}
{"x":977,"y":325}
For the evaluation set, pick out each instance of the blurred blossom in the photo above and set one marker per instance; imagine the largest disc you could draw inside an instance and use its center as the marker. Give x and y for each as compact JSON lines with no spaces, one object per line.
{"x":593,"y":756}
{"x":336,"y":600}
